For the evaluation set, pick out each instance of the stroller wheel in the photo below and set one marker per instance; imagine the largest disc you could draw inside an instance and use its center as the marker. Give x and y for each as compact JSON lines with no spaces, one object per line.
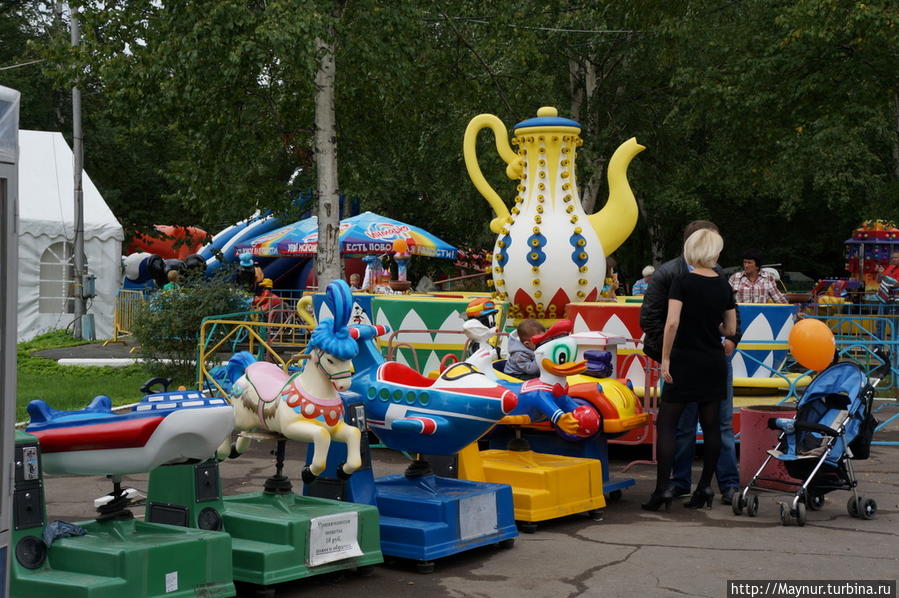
{"x":738,"y":504}
{"x":785,"y":516}
{"x":814,"y":501}
{"x":752,"y":505}
{"x":869,"y":508}
{"x":853,"y":505}
{"x":800,"y":514}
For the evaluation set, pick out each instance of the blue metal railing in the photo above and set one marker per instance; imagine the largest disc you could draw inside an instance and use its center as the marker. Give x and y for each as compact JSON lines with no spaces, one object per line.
{"x":860,"y":331}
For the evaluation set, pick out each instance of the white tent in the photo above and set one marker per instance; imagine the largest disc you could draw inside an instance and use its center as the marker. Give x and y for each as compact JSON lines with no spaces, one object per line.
{"x":46,"y":239}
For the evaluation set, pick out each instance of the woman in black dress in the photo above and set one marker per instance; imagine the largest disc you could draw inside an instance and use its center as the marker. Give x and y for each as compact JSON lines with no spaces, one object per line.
{"x":701,"y":310}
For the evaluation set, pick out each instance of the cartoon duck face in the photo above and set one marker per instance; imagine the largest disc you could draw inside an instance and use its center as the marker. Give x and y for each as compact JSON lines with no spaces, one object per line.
{"x":557,"y":357}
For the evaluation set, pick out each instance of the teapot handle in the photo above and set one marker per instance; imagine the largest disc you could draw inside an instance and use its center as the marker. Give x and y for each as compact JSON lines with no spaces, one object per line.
{"x":514,"y":168}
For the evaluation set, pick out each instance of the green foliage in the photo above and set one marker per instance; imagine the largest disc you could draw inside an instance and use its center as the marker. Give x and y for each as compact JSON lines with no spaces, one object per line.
{"x":167,"y":327}
{"x":759,"y":115}
{"x":70,"y":387}
{"x":23,"y":28}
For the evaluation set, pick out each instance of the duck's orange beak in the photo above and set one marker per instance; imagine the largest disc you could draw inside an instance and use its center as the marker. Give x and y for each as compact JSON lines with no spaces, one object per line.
{"x":566,"y":369}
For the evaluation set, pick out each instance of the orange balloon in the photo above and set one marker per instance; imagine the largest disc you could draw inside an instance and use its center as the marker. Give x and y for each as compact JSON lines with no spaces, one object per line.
{"x":812,"y":344}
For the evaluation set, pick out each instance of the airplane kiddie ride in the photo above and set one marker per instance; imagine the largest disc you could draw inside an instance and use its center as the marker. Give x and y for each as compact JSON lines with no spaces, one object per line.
{"x":423,"y":516}
{"x":116,"y":555}
{"x":277,"y":534}
{"x":553,"y":449}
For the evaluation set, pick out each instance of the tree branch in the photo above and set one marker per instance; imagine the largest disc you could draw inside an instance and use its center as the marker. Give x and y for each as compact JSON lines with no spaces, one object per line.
{"x":499,"y":88}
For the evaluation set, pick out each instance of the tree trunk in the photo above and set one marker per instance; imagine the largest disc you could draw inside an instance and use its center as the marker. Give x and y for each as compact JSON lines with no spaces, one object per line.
{"x":583,"y":82}
{"x":591,"y":188}
{"x":328,"y":264}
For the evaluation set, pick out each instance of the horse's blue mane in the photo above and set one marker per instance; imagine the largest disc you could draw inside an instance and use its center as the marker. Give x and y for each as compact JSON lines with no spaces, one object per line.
{"x":332,"y":334}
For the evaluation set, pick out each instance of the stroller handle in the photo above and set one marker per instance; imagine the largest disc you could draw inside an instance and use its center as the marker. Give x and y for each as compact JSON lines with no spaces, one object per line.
{"x":815,"y":427}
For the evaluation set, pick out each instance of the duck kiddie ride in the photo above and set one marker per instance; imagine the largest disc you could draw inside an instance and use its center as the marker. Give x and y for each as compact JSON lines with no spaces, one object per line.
{"x":277,"y":534}
{"x":423,"y":516}
{"x":552,"y":449}
{"x":116,"y":555}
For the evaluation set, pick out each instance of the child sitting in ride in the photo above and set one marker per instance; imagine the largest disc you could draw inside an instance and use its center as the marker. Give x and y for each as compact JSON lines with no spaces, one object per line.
{"x":521,"y":363}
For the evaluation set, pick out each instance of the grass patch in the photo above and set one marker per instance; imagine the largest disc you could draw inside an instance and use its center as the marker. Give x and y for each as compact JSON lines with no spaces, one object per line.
{"x":70,"y":387}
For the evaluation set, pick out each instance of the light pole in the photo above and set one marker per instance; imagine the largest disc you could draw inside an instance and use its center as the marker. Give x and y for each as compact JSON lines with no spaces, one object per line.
{"x":78,"y":151}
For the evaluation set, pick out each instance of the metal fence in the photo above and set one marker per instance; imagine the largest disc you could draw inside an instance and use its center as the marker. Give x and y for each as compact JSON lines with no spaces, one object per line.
{"x":127,"y":303}
{"x":224,"y":335}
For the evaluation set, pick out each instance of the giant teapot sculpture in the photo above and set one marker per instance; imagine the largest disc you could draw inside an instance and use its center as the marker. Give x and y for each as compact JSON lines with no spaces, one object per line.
{"x":548,"y":252}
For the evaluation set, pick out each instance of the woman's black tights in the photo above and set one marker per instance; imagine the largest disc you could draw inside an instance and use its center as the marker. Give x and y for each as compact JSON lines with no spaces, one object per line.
{"x":666,"y":429}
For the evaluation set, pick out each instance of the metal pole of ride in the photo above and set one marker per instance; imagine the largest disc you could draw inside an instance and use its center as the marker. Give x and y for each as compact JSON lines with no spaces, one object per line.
{"x":9,"y":189}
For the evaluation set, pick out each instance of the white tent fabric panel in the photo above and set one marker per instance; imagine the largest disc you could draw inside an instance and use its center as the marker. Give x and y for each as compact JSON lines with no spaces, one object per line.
{"x":46,"y":218}
{"x":100,"y":255}
{"x":46,"y":196}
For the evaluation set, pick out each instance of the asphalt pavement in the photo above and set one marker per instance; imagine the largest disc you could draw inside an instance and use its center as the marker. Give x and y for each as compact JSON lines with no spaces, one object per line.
{"x":630,"y":553}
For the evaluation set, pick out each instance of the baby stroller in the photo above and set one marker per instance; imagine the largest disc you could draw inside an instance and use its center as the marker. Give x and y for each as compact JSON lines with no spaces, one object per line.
{"x":833,"y":426}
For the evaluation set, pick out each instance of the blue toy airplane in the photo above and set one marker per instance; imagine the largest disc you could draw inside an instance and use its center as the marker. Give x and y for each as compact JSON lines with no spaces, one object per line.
{"x":412,"y":413}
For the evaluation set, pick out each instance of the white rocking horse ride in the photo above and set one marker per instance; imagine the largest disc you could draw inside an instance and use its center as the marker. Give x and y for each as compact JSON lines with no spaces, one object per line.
{"x":304,"y":406}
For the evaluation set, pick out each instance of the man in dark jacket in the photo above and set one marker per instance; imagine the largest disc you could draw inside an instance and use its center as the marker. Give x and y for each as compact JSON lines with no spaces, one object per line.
{"x":653,"y":314}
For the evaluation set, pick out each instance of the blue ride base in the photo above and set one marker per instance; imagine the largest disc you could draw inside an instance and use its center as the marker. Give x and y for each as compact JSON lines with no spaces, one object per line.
{"x":596,"y":447}
{"x":430,"y":517}
{"x":423,"y":517}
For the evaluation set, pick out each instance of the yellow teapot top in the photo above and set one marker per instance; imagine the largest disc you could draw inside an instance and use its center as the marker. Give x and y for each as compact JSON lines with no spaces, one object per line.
{"x":547,"y":119}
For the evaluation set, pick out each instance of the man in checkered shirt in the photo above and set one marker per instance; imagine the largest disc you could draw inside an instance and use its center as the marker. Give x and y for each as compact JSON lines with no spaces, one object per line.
{"x":753,"y":285}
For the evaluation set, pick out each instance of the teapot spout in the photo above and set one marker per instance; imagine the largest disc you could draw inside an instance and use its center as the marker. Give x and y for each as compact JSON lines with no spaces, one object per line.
{"x":616,"y":220}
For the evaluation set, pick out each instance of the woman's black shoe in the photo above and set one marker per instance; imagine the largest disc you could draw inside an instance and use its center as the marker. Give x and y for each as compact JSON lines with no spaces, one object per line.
{"x":702,"y":497}
{"x":657,"y":499}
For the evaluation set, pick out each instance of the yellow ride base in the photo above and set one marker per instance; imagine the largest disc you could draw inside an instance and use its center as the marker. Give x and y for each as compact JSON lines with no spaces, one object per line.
{"x":543,"y":486}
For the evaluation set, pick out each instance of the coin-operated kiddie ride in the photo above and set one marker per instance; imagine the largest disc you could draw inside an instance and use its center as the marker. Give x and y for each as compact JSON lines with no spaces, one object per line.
{"x":116,"y":555}
{"x":552,"y":449}
{"x":277,"y":534}
{"x":423,"y":516}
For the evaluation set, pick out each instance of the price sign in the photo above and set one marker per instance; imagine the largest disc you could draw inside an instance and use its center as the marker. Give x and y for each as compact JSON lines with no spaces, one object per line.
{"x":333,"y":538}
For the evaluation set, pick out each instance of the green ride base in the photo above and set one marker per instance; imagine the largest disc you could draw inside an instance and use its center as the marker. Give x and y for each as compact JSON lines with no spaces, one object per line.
{"x":270,"y":531}
{"x":130,"y":558}
{"x":117,"y":557}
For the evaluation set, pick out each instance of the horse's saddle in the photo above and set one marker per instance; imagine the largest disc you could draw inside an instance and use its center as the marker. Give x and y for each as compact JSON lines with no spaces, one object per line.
{"x":267,"y":379}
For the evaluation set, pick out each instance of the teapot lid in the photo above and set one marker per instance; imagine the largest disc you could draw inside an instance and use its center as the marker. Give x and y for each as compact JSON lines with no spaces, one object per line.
{"x":548,"y":116}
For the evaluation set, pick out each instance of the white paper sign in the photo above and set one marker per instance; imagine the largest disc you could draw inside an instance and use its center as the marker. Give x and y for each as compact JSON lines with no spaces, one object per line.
{"x":333,"y":538}
{"x":171,"y":582}
{"x":477,"y":516}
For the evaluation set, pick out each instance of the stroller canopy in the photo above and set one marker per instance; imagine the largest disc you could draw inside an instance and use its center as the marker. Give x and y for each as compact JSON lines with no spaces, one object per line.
{"x":843,"y":378}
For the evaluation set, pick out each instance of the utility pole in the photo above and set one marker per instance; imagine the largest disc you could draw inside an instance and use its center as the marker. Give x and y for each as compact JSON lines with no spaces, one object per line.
{"x":78,"y":150}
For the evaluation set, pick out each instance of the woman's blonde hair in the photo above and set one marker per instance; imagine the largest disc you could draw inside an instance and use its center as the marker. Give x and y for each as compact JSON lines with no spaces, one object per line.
{"x":702,"y":248}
